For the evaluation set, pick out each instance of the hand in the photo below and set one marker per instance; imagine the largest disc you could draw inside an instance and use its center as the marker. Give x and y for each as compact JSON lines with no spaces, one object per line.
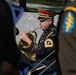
{"x":25,"y":38}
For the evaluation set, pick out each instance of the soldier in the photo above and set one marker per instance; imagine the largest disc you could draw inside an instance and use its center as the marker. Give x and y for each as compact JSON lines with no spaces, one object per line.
{"x":67,"y":40}
{"x":9,"y":52}
{"x":46,"y":41}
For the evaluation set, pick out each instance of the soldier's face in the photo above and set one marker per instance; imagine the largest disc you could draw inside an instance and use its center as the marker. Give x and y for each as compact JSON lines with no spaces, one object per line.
{"x":45,"y":24}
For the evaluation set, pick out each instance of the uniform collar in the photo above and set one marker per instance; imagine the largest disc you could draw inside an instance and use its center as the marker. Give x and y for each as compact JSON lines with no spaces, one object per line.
{"x":49,"y":28}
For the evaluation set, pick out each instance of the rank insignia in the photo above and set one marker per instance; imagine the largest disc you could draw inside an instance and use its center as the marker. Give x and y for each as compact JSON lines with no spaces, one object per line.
{"x":48,"y":43}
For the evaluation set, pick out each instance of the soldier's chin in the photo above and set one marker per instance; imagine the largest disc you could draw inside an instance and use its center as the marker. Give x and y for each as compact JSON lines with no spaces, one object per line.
{"x":42,"y":28}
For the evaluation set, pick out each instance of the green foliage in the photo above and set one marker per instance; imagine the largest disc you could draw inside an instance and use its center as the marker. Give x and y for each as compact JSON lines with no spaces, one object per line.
{"x":32,"y":10}
{"x":44,"y":2}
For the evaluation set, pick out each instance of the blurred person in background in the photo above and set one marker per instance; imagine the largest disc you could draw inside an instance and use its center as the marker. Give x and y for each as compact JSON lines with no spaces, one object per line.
{"x":66,"y":41}
{"x":9,"y":52}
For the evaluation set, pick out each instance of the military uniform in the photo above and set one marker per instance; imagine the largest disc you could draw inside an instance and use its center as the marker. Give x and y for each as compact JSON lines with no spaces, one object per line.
{"x":67,"y":40}
{"x":46,"y":43}
{"x":45,"y":46}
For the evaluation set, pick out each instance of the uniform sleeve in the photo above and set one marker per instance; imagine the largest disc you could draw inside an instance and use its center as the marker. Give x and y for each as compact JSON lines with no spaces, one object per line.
{"x":49,"y":42}
{"x":46,"y":47}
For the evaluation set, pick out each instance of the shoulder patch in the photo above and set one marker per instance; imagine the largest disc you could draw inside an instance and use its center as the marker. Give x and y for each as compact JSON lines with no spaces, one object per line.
{"x":69,"y":22}
{"x":48,"y":43}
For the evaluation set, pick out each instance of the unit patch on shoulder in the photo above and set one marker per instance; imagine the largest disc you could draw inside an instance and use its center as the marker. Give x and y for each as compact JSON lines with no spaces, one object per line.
{"x":69,"y":22}
{"x":48,"y":43}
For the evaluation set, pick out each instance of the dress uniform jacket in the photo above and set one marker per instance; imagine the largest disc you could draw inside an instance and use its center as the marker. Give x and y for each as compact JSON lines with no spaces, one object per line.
{"x":67,"y":40}
{"x":38,"y":51}
{"x":45,"y":46}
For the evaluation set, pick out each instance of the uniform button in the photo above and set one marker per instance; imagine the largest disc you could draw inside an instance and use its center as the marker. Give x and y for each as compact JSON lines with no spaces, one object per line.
{"x":43,"y":33}
{"x":40,"y":41}
{"x":41,"y":37}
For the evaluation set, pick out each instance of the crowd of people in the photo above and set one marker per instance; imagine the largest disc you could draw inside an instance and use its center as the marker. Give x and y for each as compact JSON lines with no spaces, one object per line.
{"x":58,"y":41}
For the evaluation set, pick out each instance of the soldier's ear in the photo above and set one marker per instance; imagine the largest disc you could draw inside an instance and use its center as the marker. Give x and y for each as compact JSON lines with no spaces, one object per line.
{"x":50,"y":21}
